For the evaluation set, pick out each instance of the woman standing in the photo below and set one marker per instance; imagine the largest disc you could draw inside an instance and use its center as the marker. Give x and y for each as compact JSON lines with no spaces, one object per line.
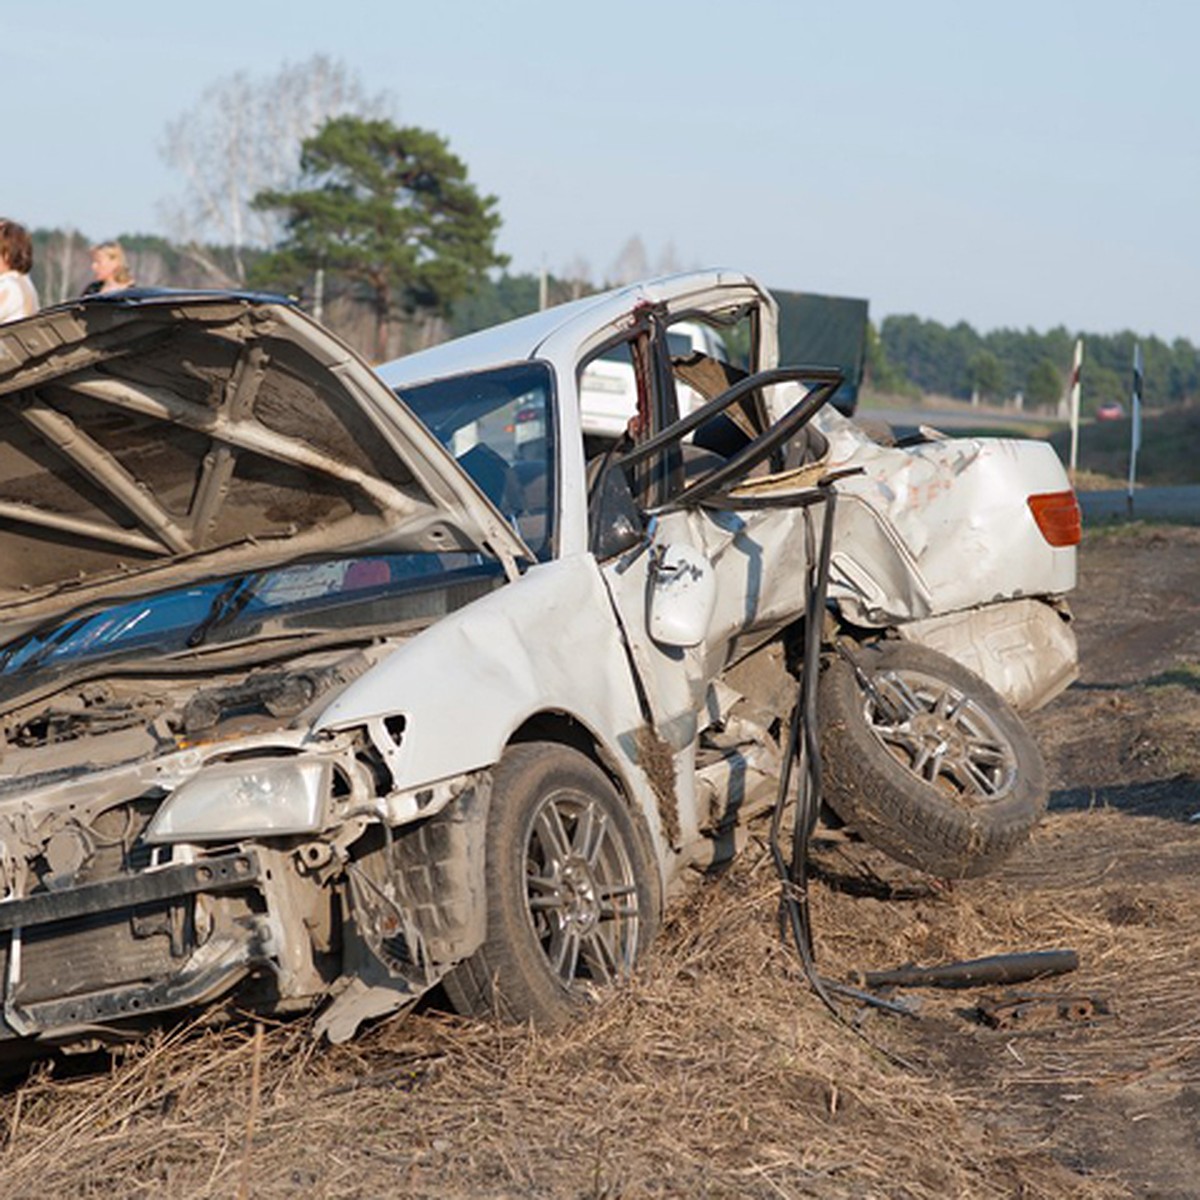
{"x":110,"y":269}
{"x":18,"y":297}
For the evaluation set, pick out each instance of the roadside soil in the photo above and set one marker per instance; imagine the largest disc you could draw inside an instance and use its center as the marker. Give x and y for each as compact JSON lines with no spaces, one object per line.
{"x":1113,"y":873}
{"x":717,"y":1072}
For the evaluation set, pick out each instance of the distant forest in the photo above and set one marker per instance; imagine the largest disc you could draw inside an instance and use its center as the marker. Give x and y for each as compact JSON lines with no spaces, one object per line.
{"x":958,"y":361}
{"x":906,"y":354}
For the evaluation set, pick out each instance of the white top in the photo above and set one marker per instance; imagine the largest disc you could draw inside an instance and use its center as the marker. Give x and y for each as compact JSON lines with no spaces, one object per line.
{"x":18,"y":297}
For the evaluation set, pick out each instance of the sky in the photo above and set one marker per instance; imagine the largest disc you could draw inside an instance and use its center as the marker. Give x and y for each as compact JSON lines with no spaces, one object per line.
{"x":1018,"y":164}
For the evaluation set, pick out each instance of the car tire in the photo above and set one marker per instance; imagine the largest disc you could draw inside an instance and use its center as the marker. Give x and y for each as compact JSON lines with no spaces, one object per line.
{"x":928,"y":763}
{"x":572,"y":889}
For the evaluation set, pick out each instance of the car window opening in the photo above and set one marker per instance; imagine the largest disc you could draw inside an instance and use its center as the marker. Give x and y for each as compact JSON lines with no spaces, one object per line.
{"x":499,"y":427}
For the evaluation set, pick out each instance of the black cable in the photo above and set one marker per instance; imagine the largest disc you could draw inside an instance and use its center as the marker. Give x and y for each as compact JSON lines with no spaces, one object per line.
{"x":803,"y":745}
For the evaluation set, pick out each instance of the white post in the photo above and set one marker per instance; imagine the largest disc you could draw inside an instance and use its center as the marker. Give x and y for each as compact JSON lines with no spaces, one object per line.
{"x":1076,"y":367}
{"x":68,"y":257}
{"x":319,"y":295}
{"x":1135,"y":423}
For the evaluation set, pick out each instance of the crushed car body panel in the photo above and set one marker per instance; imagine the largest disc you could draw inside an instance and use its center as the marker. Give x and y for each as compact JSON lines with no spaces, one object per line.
{"x":547,"y":643}
{"x":1024,"y":648}
{"x":940,"y":526}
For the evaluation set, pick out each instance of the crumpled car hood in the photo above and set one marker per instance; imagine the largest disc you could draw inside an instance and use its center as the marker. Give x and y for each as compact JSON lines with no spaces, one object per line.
{"x":171,"y":438}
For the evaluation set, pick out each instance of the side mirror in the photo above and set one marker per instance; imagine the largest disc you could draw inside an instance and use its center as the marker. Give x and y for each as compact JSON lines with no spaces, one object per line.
{"x":683,"y":596}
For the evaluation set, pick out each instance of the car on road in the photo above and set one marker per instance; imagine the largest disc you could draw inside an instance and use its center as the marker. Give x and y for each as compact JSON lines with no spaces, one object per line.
{"x":1111,"y":410}
{"x":321,"y":685}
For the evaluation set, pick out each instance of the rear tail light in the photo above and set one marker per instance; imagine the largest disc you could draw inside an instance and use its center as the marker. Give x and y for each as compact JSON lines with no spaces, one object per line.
{"x":1058,"y":517}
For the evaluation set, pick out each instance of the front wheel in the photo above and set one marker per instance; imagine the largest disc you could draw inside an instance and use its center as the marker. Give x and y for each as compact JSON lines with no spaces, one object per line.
{"x":572,"y":890}
{"x":927,"y":761}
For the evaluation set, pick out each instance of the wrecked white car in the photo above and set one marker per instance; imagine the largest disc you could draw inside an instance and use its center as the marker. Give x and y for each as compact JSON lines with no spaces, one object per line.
{"x":322,"y":685}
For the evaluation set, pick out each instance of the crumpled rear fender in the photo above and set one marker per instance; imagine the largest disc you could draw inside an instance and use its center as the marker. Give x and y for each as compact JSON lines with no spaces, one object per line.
{"x":1024,"y":648}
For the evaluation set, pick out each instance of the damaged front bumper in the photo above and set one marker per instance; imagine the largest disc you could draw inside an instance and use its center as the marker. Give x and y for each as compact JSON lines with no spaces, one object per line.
{"x":43,"y":995}
{"x":368,"y":913}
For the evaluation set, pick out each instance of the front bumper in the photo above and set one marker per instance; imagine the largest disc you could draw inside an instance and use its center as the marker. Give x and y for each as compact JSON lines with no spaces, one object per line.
{"x":39,"y":932}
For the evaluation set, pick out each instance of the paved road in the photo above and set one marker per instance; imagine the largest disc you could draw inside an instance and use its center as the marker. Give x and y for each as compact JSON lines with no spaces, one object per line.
{"x":964,"y":416}
{"x":1179,"y":504}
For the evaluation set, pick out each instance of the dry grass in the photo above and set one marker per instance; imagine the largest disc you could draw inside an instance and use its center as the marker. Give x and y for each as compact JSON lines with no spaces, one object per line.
{"x":715,"y":1074}
{"x":1166,"y":455}
{"x":1096,"y":481}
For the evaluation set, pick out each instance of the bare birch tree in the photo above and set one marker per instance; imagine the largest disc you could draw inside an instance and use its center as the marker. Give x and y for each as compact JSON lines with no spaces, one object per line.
{"x":63,"y":265}
{"x":243,"y":137}
{"x":577,"y":275}
{"x":631,"y":263}
{"x":668,"y":261}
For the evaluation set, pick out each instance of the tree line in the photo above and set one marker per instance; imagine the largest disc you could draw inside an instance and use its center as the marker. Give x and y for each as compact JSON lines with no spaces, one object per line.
{"x":910,"y":353}
{"x":907,"y":355}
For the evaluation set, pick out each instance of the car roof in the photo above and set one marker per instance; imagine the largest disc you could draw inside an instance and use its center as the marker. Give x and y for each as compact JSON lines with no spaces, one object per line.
{"x":523,"y":338}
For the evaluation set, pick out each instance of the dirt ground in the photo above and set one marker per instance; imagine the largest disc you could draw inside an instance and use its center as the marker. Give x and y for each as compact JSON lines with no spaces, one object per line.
{"x":717,"y":1073}
{"x":1112,"y":872}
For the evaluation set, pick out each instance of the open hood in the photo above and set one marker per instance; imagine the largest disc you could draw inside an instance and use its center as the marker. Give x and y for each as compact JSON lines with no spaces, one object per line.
{"x":164,"y":438}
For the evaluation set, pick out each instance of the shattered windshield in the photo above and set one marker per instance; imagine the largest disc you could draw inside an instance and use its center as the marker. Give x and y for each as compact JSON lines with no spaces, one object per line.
{"x":339,"y":593}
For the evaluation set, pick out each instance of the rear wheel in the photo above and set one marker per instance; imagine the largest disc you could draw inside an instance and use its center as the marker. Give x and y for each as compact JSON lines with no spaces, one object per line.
{"x":927,"y":761}
{"x":572,"y":890}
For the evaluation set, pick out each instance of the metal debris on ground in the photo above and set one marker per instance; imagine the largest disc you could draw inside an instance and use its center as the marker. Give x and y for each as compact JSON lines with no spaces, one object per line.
{"x":1029,"y":1010}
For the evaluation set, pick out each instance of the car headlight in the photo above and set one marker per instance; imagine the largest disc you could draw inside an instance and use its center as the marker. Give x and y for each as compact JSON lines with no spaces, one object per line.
{"x":258,"y":798}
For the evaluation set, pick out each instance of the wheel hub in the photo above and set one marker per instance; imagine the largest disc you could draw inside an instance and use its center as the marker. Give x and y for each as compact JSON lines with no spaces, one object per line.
{"x":581,"y":889}
{"x":931,"y":727}
{"x":580,"y":894}
{"x":938,"y":736}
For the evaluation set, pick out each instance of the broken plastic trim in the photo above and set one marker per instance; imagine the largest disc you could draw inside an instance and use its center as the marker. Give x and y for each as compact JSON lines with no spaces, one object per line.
{"x":221,"y":872}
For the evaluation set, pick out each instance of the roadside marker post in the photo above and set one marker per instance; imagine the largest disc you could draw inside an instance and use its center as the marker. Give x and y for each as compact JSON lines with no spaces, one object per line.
{"x":1076,"y":367}
{"x":1135,"y":424}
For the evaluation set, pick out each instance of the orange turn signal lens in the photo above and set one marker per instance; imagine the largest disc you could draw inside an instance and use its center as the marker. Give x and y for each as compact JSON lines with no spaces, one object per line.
{"x":1058,"y":517}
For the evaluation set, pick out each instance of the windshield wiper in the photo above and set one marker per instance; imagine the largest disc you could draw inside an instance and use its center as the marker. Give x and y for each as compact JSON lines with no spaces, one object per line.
{"x":227,"y":605}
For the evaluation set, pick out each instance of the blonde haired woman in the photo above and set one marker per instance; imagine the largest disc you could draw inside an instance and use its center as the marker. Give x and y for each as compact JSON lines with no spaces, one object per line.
{"x":110,"y":269}
{"x":18,"y":297}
